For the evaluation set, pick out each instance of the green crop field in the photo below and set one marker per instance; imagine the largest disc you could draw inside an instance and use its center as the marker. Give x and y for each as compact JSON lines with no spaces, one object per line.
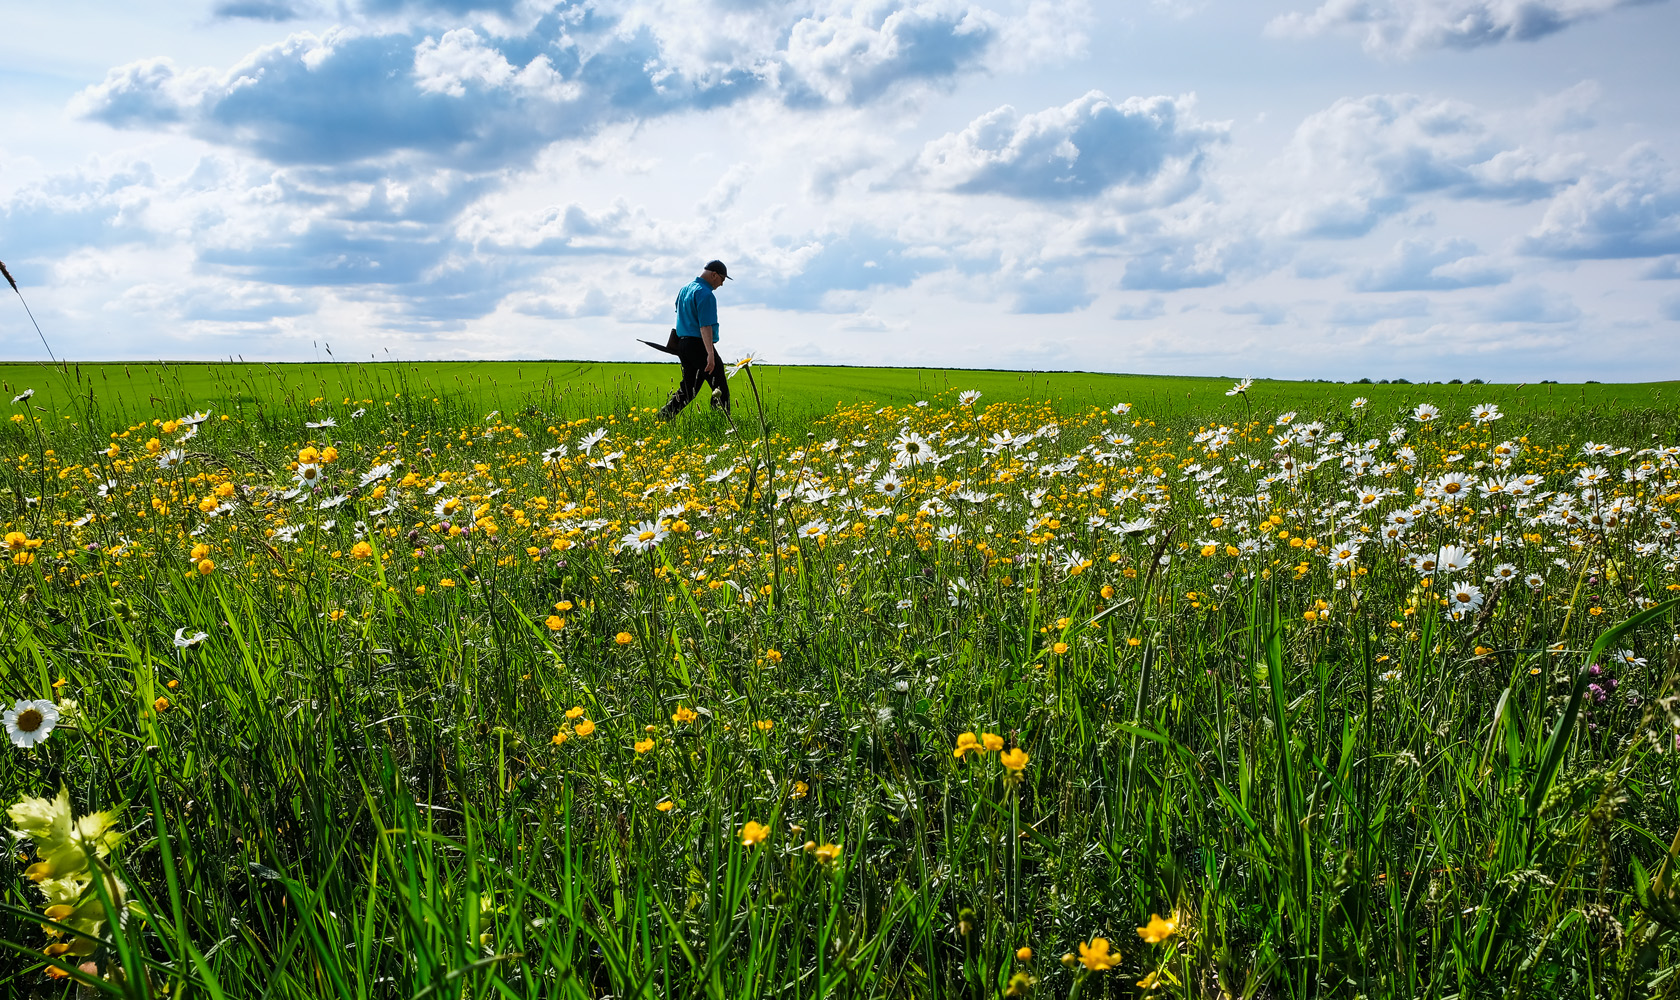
{"x":455,"y":680}
{"x":576,"y":389}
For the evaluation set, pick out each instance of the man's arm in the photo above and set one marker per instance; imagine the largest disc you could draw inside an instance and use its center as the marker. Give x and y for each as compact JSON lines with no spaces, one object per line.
{"x":711,"y":349}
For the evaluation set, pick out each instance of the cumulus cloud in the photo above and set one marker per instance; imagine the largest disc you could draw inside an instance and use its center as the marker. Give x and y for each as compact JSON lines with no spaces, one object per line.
{"x":593,"y":302}
{"x":816,"y":273}
{"x":1055,"y":290}
{"x":1075,"y":151}
{"x":527,"y":174}
{"x":1663,"y":269}
{"x":210,"y":300}
{"x":346,"y":97}
{"x":461,"y":58}
{"x":1406,"y":27}
{"x":259,"y":10}
{"x":854,"y":56}
{"x":1372,"y":313}
{"x":1629,"y":209}
{"x":1366,"y":158}
{"x":568,"y":230}
{"x":1264,"y":313}
{"x":1530,"y":304}
{"x":1170,"y":264}
{"x":80,"y":209}
{"x":471,"y":97}
{"x":1419,"y":265}
{"x":1153,"y":307}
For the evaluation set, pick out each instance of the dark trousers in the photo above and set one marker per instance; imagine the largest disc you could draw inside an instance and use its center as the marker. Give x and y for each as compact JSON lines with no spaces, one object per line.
{"x":692,"y":353}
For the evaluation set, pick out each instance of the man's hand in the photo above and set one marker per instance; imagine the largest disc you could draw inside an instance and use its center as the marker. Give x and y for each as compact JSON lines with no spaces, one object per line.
{"x":711,"y":361}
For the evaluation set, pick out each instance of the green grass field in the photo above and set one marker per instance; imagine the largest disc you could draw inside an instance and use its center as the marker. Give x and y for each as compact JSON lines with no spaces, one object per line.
{"x":795,"y":393}
{"x":491,"y":685}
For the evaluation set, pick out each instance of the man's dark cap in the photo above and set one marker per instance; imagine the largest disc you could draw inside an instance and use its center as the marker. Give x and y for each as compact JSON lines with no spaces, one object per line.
{"x":717,"y":265}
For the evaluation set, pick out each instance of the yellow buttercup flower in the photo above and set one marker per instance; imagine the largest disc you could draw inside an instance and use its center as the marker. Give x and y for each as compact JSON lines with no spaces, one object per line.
{"x":753,"y":833}
{"x":624,"y":638}
{"x":585,"y":728}
{"x":683,"y":714}
{"x":575,"y":712}
{"x":992,"y":742}
{"x":965,"y":743}
{"x":826,"y":854}
{"x":643,"y":746}
{"x":1015,"y":760}
{"x":1095,"y":956}
{"x":1158,"y":929}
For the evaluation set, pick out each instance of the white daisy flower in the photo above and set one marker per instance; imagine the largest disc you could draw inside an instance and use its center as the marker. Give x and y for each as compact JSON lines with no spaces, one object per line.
{"x":912,"y":449}
{"x":1342,"y":556}
{"x":30,"y":722}
{"x":645,"y":537}
{"x":1453,"y":558}
{"x":1463,"y":599}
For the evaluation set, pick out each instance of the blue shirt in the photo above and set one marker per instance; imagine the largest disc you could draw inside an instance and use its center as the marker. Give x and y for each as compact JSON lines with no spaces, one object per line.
{"x":696,"y":307}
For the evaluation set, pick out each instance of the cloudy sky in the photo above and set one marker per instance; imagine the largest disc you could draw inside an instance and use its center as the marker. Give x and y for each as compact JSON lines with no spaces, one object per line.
{"x":1289,"y":188}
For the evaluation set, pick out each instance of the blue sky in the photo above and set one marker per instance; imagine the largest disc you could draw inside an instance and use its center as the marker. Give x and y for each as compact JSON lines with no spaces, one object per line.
{"x":1427,"y":189}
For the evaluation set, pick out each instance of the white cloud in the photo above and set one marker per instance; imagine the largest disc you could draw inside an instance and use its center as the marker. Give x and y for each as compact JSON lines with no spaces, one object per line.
{"x":1429,"y":265}
{"x":1075,"y":151}
{"x":496,"y":178}
{"x":1363,"y":159}
{"x":1530,"y":304}
{"x":449,"y":64}
{"x":1405,"y":27}
{"x":1628,"y":209}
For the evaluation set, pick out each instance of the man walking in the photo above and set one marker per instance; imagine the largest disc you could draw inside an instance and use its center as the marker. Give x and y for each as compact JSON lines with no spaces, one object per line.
{"x":697,"y":334}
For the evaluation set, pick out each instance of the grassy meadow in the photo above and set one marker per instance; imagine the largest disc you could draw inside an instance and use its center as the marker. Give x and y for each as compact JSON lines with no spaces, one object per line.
{"x":477,"y":681}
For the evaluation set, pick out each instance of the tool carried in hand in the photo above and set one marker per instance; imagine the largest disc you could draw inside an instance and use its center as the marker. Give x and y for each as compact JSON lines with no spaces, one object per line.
{"x":670,"y":345}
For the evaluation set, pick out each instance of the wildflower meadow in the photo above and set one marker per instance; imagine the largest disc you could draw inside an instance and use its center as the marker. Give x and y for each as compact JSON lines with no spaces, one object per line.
{"x":1271,"y":692}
